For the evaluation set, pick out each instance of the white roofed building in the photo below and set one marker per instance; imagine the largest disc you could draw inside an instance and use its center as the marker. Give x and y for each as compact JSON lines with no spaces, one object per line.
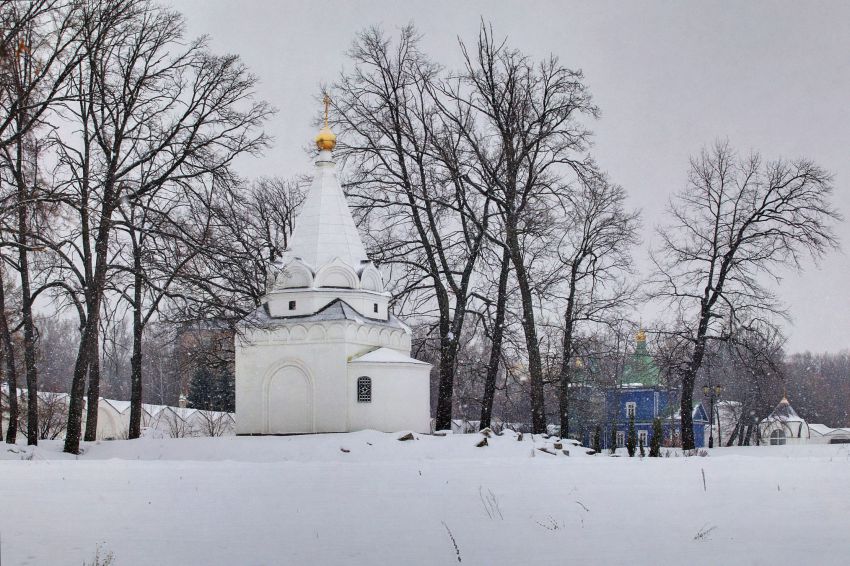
{"x":323,"y":353}
{"x":784,"y":426}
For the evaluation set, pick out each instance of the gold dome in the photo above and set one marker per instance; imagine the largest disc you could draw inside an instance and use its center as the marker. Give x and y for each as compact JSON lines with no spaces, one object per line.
{"x":641,"y":335}
{"x":326,"y":139}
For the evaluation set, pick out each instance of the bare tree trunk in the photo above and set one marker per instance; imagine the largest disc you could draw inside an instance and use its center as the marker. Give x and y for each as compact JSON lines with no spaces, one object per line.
{"x":496,"y":342}
{"x":689,"y":379}
{"x":535,"y":366}
{"x":26,"y":302}
{"x":93,"y":395}
{"x":734,"y":435}
{"x":445,"y":389}
{"x":748,"y":435}
{"x":565,"y":376}
{"x":136,"y":359}
{"x":11,"y":370}
{"x":88,"y":340}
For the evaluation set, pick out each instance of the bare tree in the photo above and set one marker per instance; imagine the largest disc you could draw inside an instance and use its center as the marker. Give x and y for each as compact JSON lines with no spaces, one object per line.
{"x":28,"y":197}
{"x":213,"y":423}
{"x":527,"y":143}
{"x":496,"y":335}
{"x":39,"y":48}
{"x":52,"y":415}
{"x":175,"y":425}
{"x":8,"y":357}
{"x":158,"y":251}
{"x":409,"y":177}
{"x":593,"y":256}
{"x":250,"y":226}
{"x":159,"y":111}
{"x":736,"y":221}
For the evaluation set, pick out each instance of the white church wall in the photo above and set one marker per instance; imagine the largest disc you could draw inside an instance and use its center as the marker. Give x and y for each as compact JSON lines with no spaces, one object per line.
{"x":310,"y":361}
{"x":399,"y":397}
{"x":304,"y":302}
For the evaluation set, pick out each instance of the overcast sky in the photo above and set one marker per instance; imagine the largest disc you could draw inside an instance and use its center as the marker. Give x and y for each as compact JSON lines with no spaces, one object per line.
{"x":669,"y":78}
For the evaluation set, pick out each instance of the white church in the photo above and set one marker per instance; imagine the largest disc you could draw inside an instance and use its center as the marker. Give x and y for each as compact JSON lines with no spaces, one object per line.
{"x":323,"y":353}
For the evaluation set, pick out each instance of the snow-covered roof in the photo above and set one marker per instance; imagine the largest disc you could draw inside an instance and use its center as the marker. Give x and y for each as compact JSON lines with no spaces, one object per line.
{"x":386,"y":356}
{"x":324,"y":229}
{"x":695,"y":414}
{"x":153,"y":410}
{"x":335,"y":310}
{"x":824,"y":430}
{"x":119,"y":406}
{"x":785,"y":412}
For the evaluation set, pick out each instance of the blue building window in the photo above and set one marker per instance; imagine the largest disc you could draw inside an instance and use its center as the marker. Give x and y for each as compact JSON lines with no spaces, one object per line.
{"x":631,"y":409}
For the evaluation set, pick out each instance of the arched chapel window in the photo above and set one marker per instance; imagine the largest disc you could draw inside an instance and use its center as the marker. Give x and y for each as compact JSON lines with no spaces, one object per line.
{"x":777,"y":437}
{"x":364,"y":389}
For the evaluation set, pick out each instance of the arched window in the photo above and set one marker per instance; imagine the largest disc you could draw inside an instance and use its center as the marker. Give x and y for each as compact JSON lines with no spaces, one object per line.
{"x":364,"y":389}
{"x":777,"y":437}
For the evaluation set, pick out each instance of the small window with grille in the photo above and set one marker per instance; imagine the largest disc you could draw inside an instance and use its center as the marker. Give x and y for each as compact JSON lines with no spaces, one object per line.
{"x":292,"y":305}
{"x":631,"y":408}
{"x":375,"y":307}
{"x":364,"y":389}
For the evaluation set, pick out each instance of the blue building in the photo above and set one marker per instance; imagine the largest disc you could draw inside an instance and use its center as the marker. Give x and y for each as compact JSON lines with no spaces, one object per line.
{"x":640,"y":393}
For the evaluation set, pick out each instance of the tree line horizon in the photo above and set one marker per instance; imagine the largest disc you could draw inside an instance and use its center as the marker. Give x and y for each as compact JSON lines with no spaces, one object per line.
{"x":505,"y":243}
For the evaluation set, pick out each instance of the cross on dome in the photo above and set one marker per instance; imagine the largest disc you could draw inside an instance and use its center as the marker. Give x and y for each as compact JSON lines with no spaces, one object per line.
{"x":326,"y":139}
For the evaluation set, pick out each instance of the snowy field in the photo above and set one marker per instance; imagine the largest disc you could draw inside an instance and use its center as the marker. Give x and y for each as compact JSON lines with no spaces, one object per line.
{"x":366,"y":498}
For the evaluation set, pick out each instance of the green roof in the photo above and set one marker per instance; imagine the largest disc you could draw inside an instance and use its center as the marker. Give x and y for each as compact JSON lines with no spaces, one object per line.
{"x":640,"y":367}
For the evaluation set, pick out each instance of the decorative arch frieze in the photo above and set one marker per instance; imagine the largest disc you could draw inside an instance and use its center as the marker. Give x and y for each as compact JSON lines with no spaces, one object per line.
{"x":337,"y":274}
{"x":295,"y":275}
{"x":371,"y":280}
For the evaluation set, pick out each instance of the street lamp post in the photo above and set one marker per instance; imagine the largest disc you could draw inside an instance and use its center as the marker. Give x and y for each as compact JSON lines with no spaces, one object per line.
{"x":714,"y":392}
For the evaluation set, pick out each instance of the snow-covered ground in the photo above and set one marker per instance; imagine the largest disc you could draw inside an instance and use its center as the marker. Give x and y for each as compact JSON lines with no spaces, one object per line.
{"x":366,"y":498}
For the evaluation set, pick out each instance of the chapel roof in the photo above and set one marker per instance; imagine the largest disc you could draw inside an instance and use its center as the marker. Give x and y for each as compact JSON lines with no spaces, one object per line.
{"x":325,"y":229}
{"x":784,"y":411}
{"x":386,"y":356}
{"x":640,"y":369}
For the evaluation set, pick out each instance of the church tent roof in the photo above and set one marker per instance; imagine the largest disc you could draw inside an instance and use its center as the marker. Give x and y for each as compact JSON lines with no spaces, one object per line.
{"x":325,"y":228}
{"x":385,"y":356}
{"x":785,"y":412}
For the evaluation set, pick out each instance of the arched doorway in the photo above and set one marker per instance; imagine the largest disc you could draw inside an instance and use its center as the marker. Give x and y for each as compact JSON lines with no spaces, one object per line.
{"x":289,"y":402}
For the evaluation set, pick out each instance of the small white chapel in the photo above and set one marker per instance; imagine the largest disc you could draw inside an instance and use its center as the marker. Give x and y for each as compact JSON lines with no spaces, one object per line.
{"x":323,"y":353}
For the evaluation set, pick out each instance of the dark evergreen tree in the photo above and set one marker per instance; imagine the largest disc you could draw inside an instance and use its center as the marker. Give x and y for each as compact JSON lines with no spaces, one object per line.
{"x":640,"y":447}
{"x":655,"y":441}
{"x":631,"y":441}
{"x":212,"y":390}
{"x":613,"y":439}
{"x":597,"y":439}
